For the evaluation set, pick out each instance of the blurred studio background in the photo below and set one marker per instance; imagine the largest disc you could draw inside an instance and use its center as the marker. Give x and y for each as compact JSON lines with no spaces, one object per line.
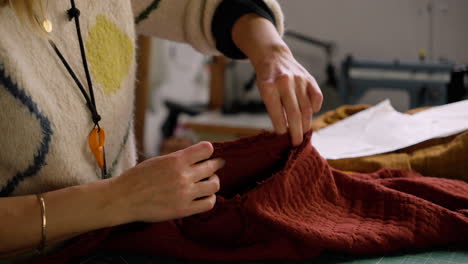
{"x":411,"y":52}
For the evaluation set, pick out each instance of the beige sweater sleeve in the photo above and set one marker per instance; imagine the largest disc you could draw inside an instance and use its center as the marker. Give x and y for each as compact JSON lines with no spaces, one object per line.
{"x":186,"y":21}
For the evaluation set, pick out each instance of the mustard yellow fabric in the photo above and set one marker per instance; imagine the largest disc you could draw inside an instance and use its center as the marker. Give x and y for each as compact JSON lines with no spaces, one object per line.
{"x":442,"y":157}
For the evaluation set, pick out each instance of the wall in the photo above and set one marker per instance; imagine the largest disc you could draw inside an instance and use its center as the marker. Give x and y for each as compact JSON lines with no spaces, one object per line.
{"x":379,"y":29}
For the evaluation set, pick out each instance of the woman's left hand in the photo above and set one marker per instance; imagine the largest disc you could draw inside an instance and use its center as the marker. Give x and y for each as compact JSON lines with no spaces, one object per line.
{"x":289,"y":92}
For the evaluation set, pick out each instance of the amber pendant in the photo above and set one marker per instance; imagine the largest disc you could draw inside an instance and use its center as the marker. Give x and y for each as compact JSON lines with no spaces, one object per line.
{"x":97,"y":139}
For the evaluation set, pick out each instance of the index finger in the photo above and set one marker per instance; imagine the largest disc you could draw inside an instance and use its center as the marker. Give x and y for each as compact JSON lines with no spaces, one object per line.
{"x":272,"y":100}
{"x":289,"y":98}
{"x":198,"y":152}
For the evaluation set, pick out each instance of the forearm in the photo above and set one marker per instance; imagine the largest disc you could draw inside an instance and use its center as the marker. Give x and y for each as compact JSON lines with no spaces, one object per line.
{"x":257,"y":37}
{"x":69,"y":211}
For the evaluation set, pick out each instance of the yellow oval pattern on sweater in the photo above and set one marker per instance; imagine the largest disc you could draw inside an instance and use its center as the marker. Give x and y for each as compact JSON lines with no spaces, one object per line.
{"x":110,"y":54}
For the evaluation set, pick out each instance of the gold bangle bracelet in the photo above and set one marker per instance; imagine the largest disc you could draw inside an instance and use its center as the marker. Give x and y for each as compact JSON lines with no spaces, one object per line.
{"x":42,"y":244}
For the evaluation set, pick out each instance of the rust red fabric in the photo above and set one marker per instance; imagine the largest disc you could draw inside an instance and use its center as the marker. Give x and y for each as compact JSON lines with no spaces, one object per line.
{"x":282,"y":203}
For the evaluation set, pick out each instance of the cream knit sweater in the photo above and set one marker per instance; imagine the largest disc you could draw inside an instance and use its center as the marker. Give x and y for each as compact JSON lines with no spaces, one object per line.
{"x":44,"y":122}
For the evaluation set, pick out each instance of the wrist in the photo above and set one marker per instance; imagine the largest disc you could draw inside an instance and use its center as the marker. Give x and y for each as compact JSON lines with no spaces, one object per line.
{"x":117,"y":202}
{"x":81,"y":208}
{"x":269,"y":53}
{"x":110,"y":202}
{"x":258,"y":38}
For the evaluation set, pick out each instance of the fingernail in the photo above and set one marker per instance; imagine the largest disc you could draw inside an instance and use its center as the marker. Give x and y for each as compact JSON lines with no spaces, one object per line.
{"x":223,"y":163}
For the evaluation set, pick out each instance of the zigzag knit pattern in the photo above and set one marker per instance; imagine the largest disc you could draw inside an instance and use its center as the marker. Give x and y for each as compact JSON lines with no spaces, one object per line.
{"x":280,"y":203}
{"x":39,"y":159}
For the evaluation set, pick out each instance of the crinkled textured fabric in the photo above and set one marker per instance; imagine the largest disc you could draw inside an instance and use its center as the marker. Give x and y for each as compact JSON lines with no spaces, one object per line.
{"x":279,"y":202}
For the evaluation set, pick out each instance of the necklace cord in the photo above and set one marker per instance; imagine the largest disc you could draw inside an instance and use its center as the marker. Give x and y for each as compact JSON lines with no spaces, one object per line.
{"x":96,"y":117}
{"x":74,"y":13}
{"x":98,"y":149}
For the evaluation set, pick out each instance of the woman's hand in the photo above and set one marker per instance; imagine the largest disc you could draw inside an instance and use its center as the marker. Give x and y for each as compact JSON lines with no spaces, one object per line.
{"x":178,"y":185}
{"x":289,"y":92}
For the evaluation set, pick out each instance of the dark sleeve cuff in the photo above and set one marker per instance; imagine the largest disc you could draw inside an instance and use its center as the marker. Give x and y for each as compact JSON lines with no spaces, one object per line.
{"x":226,"y":15}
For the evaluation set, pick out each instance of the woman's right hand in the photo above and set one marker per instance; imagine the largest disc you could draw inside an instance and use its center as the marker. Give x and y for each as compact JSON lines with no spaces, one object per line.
{"x":169,"y":187}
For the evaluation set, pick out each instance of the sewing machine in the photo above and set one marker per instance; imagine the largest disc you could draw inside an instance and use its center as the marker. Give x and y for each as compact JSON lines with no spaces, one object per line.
{"x":427,"y":83}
